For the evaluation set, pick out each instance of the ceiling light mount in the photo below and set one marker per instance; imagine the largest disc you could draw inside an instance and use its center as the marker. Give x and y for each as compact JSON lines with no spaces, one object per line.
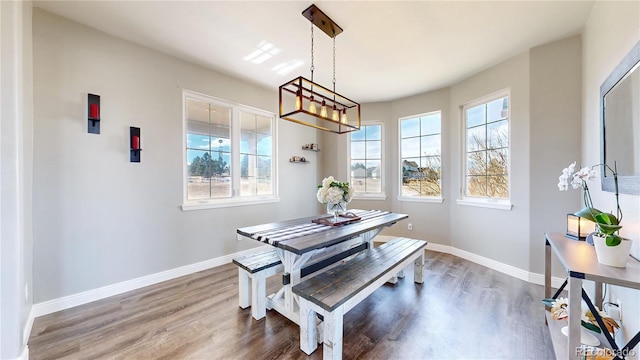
{"x":300,"y":97}
{"x":322,"y":21}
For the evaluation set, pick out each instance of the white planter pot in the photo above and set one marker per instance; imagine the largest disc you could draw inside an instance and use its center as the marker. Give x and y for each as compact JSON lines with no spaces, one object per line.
{"x":616,"y":256}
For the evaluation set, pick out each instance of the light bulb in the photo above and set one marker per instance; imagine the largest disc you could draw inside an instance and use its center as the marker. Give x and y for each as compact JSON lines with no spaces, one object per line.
{"x":323,"y":109}
{"x":312,"y":105}
{"x":343,"y":117}
{"x":335,"y":115}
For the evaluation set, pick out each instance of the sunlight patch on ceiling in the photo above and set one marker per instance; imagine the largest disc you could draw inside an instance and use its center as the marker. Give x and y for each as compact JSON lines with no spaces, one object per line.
{"x":263,"y":52}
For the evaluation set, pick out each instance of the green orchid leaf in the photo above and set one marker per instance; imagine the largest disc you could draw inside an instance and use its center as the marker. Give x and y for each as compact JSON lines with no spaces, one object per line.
{"x":606,"y":218}
{"x":588,"y":213}
{"x":613,"y":240}
{"x":608,"y":229}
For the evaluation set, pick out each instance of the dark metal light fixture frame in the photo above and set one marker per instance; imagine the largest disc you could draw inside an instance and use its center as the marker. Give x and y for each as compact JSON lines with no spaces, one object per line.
{"x":338,"y":113}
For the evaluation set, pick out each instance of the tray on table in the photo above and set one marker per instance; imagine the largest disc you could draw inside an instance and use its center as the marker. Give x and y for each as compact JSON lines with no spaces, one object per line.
{"x":343,"y":219}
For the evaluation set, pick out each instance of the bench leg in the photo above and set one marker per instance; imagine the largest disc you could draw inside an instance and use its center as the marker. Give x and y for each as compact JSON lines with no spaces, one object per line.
{"x":418,"y":269}
{"x":401,"y":274}
{"x":244,"y":289}
{"x":308,"y":336}
{"x":332,"y":347}
{"x":258,"y":295}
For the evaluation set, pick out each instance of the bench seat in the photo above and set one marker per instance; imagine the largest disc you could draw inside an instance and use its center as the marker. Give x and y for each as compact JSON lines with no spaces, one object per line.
{"x":336,"y":291}
{"x":253,"y":270}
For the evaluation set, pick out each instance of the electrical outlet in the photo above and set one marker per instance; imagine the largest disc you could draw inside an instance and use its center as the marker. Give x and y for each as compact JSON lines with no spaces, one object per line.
{"x":619,"y":309}
{"x":410,"y":226}
{"x":614,"y":310}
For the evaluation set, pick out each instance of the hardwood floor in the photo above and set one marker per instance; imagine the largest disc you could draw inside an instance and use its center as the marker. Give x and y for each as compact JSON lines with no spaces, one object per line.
{"x":462,"y":311}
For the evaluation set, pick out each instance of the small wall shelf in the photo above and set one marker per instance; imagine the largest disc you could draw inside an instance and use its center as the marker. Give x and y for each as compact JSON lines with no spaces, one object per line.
{"x":300,"y":161}
{"x":311,"y":147}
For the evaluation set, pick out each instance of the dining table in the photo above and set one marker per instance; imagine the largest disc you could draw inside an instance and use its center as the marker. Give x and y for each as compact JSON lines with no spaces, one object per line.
{"x":312,"y":244}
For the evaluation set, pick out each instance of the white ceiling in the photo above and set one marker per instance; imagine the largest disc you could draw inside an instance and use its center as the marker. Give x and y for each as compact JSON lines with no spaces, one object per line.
{"x":388,"y":50}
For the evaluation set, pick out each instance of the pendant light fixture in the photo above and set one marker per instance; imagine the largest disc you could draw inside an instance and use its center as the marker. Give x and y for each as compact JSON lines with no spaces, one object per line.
{"x":300,"y":97}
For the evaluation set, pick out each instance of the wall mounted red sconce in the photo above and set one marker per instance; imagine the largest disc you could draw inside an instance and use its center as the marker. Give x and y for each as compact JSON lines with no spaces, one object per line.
{"x":134,"y":141}
{"x":93,"y":112}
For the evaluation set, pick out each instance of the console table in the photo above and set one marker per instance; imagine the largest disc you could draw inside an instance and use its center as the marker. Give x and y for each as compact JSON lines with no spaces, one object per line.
{"x":579,"y":261}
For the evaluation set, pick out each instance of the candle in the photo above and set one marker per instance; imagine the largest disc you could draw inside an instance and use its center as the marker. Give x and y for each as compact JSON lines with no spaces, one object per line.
{"x":94,"y":111}
{"x":135,"y":142}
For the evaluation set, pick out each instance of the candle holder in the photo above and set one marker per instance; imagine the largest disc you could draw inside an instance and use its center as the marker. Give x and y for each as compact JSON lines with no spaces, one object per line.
{"x":93,"y":114}
{"x":134,"y":141}
{"x":578,"y":228}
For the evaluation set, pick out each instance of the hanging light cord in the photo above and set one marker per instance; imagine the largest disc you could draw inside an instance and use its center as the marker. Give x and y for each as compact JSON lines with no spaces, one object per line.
{"x":312,"y":67}
{"x":334,"y":68}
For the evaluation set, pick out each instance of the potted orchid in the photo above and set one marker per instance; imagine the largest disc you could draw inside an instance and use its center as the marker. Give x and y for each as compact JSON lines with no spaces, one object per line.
{"x":335,"y":194}
{"x":611,"y":248}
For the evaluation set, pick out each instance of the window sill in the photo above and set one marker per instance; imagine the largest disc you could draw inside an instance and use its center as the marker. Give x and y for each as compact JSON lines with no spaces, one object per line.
{"x":369,"y":197}
{"x":204,"y":205}
{"x":499,"y":205}
{"x":434,"y":200}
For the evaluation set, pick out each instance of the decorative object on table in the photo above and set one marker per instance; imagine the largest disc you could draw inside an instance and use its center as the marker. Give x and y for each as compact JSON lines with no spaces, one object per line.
{"x":579,"y":228}
{"x":611,"y":248}
{"x":336,"y":195}
{"x":93,"y":113}
{"x":300,"y":98}
{"x":134,"y":143}
{"x":560,"y":311}
{"x":341,"y":219}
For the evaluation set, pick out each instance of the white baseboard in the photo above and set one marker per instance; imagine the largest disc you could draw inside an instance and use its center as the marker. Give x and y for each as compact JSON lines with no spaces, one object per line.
{"x":518,"y":273}
{"x":85,"y":297}
{"x":27,"y":327}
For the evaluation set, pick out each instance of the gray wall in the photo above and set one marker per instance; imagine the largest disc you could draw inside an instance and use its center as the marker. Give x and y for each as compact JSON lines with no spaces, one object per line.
{"x":99,"y":219}
{"x":496,"y":234}
{"x":555,"y":73}
{"x":612,"y":30}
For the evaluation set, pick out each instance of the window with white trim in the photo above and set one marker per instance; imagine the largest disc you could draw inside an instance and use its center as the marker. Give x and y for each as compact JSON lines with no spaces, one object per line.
{"x":420,"y":162}
{"x":366,"y":161}
{"x":486,"y":175}
{"x":229,"y":153}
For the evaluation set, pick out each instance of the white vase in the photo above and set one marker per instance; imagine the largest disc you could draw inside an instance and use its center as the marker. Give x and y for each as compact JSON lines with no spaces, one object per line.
{"x":616,"y":256}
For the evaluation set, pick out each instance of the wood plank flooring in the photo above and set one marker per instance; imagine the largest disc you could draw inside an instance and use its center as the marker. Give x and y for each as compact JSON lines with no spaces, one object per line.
{"x":462,"y":311}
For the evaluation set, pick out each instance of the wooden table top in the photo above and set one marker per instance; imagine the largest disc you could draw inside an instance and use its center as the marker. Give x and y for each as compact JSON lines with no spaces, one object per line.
{"x":580,"y":257}
{"x":302,"y":235}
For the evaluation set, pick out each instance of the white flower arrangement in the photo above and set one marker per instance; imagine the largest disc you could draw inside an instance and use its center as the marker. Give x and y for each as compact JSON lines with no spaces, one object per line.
{"x":332,"y":191}
{"x":607,"y":225}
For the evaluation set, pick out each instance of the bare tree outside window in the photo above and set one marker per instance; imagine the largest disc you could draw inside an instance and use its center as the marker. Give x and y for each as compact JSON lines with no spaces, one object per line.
{"x":487,"y":149}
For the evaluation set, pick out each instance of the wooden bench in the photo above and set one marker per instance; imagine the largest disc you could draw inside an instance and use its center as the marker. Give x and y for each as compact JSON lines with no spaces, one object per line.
{"x":334,"y":292}
{"x":253,"y":271}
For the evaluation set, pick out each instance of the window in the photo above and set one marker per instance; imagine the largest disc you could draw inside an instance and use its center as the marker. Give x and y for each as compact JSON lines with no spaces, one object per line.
{"x":229,"y":153}
{"x":420,"y":146}
{"x":366,"y":167}
{"x":487,"y":148}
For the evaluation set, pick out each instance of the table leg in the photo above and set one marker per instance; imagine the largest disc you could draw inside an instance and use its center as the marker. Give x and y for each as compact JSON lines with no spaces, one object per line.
{"x":575,"y":310}
{"x":308,"y":336}
{"x":418,"y":269}
{"x":547,"y":271}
